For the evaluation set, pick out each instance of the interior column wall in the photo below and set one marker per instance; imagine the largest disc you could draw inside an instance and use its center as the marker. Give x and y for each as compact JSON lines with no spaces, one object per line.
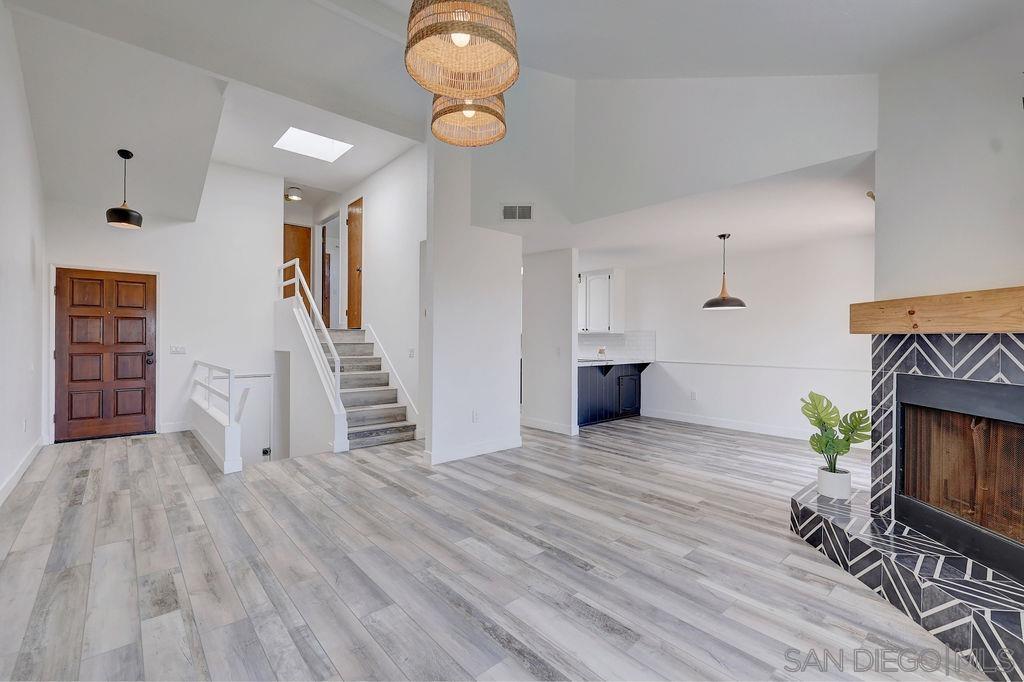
{"x":550,"y":341}
{"x":474,"y":316}
{"x":22,"y":272}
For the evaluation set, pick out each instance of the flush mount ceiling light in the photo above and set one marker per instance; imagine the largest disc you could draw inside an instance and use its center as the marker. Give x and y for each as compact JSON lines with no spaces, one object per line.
{"x":303,"y":142}
{"x":468,"y":122}
{"x":464,"y":49}
{"x":122,"y":216}
{"x":293,"y":194}
{"x":724,"y":301}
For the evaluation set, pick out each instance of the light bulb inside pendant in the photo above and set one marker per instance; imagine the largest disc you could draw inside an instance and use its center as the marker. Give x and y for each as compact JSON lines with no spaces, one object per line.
{"x":460,"y":39}
{"x":468,"y":112}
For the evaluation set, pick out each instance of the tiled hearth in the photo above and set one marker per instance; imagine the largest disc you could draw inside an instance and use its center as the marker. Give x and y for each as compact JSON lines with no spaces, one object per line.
{"x":969,"y":607}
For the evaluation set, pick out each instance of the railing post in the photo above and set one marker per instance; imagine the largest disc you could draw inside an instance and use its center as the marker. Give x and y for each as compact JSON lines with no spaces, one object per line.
{"x":232,"y":397}
{"x":209,"y":382}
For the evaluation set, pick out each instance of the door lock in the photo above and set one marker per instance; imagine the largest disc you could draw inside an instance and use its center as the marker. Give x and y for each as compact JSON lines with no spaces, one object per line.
{"x":149,"y":361}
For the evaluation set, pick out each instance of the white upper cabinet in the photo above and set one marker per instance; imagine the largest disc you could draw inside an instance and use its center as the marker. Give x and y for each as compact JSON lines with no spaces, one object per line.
{"x":602,"y":303}
{"x":581,"y":303}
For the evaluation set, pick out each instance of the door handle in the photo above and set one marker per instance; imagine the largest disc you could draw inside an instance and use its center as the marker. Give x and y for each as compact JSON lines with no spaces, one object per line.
{"x":149,"y":353}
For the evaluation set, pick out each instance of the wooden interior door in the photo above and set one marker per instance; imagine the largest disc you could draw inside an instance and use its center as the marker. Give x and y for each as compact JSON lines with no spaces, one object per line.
{"x":298,"y":243}
{"x":105,"y":354}
{"x":325,"y":278}
{"x":355,"y":264}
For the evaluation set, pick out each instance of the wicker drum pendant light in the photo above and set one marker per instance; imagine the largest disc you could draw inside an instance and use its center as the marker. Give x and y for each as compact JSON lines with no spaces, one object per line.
{"x":468,"y":122}
{"x":464,"y":49}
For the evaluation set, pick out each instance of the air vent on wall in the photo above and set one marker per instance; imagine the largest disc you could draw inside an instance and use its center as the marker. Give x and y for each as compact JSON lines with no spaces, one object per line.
{"x":512,"y":212}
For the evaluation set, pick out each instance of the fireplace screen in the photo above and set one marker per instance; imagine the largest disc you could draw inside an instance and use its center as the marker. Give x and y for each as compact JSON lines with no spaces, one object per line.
{"x":968,"y":466}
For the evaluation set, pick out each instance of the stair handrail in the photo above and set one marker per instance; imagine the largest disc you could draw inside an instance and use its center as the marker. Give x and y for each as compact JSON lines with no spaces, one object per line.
{"x":317,"y":323}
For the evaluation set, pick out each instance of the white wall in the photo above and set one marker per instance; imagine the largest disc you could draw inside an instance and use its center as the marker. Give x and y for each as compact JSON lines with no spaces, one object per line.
{"x":643,"y":142}
{"x":473,"y":316}
{"x":580,"y":150}
{"x":534,"y":163}
{"x":950,"y":169}
{"x":394,"y":224}
{"x":747,"y":369}
{"x":549,"y":341}
{"x":216,"y":277}
{"x":22,"y":272}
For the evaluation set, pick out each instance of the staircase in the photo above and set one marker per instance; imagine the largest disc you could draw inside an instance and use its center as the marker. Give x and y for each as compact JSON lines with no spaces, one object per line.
{"x":374,"y":415}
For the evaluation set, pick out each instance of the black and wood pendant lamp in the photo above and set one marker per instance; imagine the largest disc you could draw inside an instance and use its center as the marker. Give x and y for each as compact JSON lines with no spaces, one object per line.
{"x":724,"y":301}
{"x":121,"y":216}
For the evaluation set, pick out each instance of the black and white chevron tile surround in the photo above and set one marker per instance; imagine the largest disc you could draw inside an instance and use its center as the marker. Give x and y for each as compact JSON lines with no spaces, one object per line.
{"x":976,"y":357}
{"x":974,"y":610}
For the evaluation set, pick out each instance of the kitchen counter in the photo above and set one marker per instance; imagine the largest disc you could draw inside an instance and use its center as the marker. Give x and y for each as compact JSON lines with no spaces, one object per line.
{"x":608,"y":362}
{"x":608,"y":389}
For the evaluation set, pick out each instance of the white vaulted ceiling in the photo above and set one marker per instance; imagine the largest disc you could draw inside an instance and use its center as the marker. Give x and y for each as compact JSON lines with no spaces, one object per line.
{"x":709,"y":38}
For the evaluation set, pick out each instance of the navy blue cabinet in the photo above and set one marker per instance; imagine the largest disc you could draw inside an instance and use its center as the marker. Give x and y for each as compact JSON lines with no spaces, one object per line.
{"x":611,"y":392}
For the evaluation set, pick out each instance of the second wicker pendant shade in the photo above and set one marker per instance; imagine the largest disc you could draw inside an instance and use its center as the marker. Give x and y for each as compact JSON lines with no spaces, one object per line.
{"x":465,"y":49}
{"x":468,"y":123}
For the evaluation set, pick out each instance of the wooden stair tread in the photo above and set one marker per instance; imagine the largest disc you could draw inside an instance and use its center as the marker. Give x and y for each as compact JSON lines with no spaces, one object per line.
{"x":380,"y":406}
{"x":386,"y":426}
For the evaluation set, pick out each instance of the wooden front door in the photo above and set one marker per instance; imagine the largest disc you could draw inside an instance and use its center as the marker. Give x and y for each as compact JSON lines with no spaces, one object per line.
{"x":355,"y":264}
{"x":105,"y":343}
{"x":298,"y":243}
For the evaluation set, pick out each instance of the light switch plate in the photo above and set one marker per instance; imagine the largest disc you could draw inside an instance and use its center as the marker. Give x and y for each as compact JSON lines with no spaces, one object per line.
{"x":177,"y":350}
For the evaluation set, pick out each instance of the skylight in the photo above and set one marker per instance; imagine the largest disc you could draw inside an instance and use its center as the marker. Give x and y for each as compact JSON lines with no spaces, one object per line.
{"x":310,"y":144}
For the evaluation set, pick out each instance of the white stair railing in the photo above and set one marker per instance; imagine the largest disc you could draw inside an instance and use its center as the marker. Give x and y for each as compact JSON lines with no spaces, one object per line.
{"x":217,"y":421}
{"x":327,"y":360}
{"x":233,"y":404}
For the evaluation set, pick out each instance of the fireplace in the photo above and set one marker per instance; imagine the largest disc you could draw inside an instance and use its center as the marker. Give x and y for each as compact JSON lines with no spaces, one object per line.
{"x":960,"y":466}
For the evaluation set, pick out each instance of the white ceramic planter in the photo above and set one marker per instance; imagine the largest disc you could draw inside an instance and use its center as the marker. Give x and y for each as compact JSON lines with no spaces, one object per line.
{"x":836,"y":486}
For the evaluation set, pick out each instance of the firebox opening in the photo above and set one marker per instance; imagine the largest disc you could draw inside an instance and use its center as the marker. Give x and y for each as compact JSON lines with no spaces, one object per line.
{"x":969,"y":466}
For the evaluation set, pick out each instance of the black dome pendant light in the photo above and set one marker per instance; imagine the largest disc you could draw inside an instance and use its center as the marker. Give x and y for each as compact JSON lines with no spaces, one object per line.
{"x":122,"y":216}
{"x":724,"y":301}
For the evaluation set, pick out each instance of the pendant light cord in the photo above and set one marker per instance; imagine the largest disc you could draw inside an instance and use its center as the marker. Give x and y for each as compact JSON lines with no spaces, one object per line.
{"x":723,"y":258}
{"x":124,"y":183}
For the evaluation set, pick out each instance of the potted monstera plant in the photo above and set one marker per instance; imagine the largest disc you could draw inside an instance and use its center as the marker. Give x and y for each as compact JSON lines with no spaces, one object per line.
{"x":836,"y":433}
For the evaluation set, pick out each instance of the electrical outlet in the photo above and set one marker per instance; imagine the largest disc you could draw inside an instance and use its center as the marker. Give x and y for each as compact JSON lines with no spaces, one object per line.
{"x":693,"y":395}
{"x":476,"y":416}
{"x":178,"y":350}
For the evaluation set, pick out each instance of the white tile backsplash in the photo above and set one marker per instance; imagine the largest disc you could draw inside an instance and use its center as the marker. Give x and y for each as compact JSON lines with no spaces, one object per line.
{"x":633,"y":345}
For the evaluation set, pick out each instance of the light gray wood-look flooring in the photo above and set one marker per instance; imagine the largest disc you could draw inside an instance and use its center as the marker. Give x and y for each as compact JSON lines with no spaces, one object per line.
{"x":642,"y":549}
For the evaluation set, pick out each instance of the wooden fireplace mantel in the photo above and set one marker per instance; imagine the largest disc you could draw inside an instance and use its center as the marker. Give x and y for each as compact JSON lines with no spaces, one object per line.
{"x":970,"y":312}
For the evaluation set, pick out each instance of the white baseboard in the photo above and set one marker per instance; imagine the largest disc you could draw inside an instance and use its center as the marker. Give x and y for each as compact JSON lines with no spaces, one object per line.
{"x":736,"y":425}
{"x":172,"y":427}
{"x":544,"y":425}
{"x":15,"y":477}
{"x":467,"y":450}
{"x":723,"y":423}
